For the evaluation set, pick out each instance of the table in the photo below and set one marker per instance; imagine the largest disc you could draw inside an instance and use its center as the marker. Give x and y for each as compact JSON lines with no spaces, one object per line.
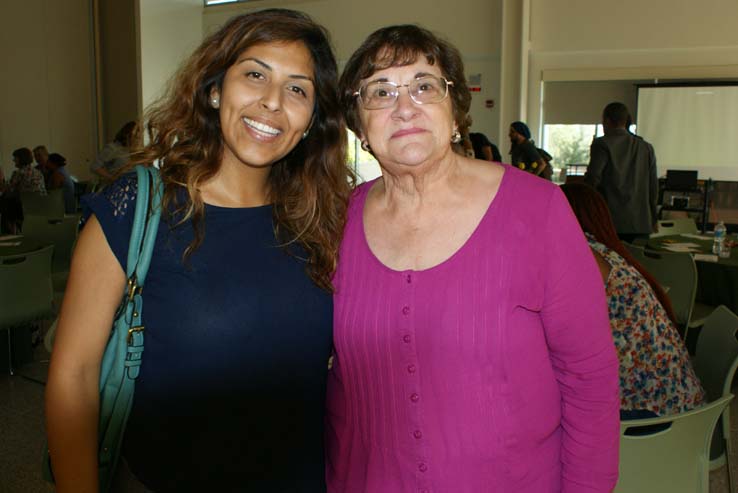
{"x":717,"y":282}
{"x":19,"y":337}
{"x":17,"y":244}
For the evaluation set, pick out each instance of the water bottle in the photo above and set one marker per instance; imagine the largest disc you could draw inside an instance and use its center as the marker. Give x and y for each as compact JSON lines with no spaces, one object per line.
{"x":718,"y":240}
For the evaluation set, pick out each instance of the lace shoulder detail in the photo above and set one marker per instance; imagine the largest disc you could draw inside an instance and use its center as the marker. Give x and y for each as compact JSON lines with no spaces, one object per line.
{"x":121,"y":195}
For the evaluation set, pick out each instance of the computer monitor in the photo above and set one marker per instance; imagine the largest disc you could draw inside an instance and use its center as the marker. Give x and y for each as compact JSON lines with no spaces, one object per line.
{"x":679,"y":179}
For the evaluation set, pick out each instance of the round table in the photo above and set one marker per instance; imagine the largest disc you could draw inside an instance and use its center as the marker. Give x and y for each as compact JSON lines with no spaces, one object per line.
{"x":717,"y":282}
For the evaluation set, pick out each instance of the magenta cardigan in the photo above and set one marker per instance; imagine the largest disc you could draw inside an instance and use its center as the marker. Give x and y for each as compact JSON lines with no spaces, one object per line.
{"x":494,"y":371}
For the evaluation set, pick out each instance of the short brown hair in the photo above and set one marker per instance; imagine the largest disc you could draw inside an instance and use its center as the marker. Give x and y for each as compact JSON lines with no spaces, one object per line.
{"x":397,"y":46}
{"x":23,"y":156}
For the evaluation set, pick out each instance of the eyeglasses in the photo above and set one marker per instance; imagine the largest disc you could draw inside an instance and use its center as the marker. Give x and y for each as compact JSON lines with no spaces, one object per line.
{"x":423,"y":90}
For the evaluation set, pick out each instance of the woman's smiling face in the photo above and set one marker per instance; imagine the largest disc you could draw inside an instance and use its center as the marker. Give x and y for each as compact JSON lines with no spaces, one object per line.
{"x":266,"y":103}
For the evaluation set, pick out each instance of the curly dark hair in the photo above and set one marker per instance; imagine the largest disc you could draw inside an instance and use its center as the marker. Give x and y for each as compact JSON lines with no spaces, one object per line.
{"x":23,"y":156}
{"x":594,"y":217}
{"x":397,"y":46}
{"x":309,"y":188}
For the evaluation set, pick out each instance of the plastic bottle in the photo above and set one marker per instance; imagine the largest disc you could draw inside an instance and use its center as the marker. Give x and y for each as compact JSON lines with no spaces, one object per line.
{"x":718,"y":240}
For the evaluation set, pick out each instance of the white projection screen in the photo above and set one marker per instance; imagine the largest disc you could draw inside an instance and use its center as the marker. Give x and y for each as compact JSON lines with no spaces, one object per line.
{"x":692,"y":127}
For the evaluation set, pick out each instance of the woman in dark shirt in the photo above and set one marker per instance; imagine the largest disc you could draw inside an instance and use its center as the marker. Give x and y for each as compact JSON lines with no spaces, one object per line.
{"x":238,"y":313}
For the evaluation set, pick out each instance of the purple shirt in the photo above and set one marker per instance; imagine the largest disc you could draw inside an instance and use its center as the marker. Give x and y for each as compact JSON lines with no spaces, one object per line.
{"x":492,"y":371}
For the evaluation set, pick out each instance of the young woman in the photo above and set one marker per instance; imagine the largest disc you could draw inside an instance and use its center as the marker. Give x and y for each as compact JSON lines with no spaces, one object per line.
{"x":238,"y":310}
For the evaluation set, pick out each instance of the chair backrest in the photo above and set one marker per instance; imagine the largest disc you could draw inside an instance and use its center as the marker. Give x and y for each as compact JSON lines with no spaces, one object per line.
{"x":60,"y":232}
{"x":716,"y":361}
{"x":671,"y":460}
{"x":49,"y":205}
{"x":675,"y":271}
{"x":676,"y":226}
{"x":716,"y":358}
{"x":26,"y":291}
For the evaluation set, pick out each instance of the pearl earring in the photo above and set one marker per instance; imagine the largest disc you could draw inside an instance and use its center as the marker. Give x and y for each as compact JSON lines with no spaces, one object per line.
{"x":456,"y":137}
{"x":215,"y":102}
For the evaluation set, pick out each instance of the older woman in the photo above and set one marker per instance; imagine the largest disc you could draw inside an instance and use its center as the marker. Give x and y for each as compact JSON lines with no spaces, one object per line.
{"x":656,"y":376}
{"x":231,"y":392}
{"x":466,"y":360}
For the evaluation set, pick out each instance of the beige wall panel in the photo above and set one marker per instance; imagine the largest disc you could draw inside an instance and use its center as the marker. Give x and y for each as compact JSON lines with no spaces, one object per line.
{"x":119,"y":72}
{"x":45,"y":88}
{"x":583,"y":102}
{"x":574,"y":25}
{"x":170,"y":30}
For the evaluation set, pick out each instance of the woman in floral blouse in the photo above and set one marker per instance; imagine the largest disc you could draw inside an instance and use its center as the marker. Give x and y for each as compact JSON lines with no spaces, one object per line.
{"x":24,"y":179}
{"x":655,"y":372}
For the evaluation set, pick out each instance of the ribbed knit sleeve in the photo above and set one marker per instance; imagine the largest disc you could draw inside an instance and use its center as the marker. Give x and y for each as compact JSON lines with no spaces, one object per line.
{"x":583,"y":355}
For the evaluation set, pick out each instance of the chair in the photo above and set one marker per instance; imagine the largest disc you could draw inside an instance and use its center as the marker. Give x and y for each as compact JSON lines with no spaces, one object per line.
{"x":716,"y":361}
{"x":672,"y":460}
{"x":62,"y":233}
{"x":26,"y":292}
{"x":676,"y":226}
{"x":49,"y":205}
{"x":678,"y":272}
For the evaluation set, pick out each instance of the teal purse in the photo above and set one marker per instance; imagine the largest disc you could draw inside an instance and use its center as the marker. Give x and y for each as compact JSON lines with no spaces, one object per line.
{"x":122,"y":357}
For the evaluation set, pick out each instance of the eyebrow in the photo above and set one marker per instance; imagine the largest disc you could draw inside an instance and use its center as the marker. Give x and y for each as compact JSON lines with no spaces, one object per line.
{"x":417,"y":76}
{"x":269,"y":68}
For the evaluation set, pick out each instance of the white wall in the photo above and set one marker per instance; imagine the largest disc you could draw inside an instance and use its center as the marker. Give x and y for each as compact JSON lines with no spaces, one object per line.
{"x":574,"y":40}
{"x":583,"y":101}
{"x":46,"y":84}
{"x":472,"y":25}
{"x":169,"y":31}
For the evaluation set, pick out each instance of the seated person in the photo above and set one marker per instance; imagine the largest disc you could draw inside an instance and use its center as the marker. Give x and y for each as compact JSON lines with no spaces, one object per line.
{"x":524,"y":154}
{"x":25,"y":178}
{"x":656,"y":376}
{"x":483,"y":148}
{"x":116,"y":154}
{"x":60,"y":178}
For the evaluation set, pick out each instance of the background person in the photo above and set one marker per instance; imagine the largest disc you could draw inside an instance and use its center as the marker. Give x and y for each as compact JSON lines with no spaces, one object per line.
{"x":483,"y":148}
{"x":59,"y":177}
{"x":41,"y":155}
{"x":622,"y":167}
{"x":25,"y":178}
{"x":461,"y":358}
{"x":656,"y":374}
{"x":116,"y":154}
{"x":524,"y":154}
{"x":237,"y":304}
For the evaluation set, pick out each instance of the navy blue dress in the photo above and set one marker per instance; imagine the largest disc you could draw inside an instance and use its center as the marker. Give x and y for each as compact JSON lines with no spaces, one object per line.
{"x":231,"y":393}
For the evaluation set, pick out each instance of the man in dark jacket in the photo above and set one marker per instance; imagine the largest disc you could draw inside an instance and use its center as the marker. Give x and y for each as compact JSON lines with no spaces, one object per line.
{"x":622,"y":166}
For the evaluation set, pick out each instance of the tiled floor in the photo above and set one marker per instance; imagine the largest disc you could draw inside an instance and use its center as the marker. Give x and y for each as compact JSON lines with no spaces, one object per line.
{"x":22,"y":432}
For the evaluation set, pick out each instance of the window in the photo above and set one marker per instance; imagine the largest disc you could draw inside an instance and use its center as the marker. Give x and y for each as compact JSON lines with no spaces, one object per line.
{"x":219,"y":2}
{"x":569,"y":146}
{"x":363,"y":163}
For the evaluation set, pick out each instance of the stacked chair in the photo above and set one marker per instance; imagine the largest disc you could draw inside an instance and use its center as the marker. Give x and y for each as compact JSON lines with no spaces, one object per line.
{"x":715,"y":363}
{"x":671,"y":460}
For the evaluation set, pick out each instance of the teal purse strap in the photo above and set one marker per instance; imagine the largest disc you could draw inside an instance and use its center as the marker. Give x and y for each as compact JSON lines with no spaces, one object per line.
{"x":145,"y":224}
